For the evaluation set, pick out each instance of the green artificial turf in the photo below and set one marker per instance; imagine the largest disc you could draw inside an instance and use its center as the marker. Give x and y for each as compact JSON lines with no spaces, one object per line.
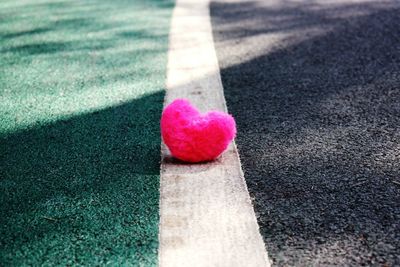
{"x":81,"y":93}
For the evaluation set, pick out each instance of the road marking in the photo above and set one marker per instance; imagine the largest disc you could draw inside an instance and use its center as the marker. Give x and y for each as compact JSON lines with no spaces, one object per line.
{"x":206,"y":216}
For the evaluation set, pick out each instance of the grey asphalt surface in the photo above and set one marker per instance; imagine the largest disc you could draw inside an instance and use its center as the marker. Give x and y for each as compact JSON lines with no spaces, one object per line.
{"x":315,"y":89}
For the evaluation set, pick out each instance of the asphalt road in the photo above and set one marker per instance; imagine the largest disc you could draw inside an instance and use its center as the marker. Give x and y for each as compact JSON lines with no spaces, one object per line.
{"x":315,"y":89}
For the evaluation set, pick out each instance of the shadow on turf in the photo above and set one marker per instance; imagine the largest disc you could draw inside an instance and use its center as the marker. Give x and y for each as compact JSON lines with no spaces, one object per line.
{"x":89,"y":180}
{"x":82,"y":190}
{"x":73,"y":17}
{"x":318,"y":122}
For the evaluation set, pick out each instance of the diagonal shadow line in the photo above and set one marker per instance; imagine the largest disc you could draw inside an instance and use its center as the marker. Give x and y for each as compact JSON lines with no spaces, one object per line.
{"x":317,"y":125}
{"x":94,"y":175}
{"x":85,"y":189}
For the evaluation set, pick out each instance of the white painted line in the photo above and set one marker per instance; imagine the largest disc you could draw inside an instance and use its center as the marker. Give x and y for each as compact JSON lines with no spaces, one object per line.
{"x":206,"y":216}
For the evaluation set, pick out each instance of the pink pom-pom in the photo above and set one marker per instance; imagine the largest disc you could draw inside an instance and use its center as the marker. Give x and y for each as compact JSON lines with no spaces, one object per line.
{"x":195,"y":137}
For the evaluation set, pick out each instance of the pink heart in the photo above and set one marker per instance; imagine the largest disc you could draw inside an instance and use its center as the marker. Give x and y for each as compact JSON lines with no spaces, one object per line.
{"x":195,"y":137}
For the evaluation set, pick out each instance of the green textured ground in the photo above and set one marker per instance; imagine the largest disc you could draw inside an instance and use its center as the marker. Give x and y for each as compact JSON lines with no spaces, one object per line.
{"x":81,"y":92}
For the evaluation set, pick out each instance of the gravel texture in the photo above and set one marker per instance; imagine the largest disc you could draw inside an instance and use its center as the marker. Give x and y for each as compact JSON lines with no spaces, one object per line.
{"x":315,"y":89}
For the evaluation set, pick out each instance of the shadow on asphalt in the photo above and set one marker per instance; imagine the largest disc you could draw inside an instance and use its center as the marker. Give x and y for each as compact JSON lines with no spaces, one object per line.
{"x":318,"y":119}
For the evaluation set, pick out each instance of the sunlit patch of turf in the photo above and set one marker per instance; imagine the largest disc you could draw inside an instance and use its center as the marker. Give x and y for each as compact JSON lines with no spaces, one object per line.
{"x":81,"y":92}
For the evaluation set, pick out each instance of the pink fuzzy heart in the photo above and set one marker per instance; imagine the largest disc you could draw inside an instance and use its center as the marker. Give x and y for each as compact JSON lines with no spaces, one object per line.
{"x":195,"y":137}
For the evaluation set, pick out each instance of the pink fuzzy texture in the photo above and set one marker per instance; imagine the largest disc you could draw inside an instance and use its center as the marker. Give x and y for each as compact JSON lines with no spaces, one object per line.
{"x":195,"y":137}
